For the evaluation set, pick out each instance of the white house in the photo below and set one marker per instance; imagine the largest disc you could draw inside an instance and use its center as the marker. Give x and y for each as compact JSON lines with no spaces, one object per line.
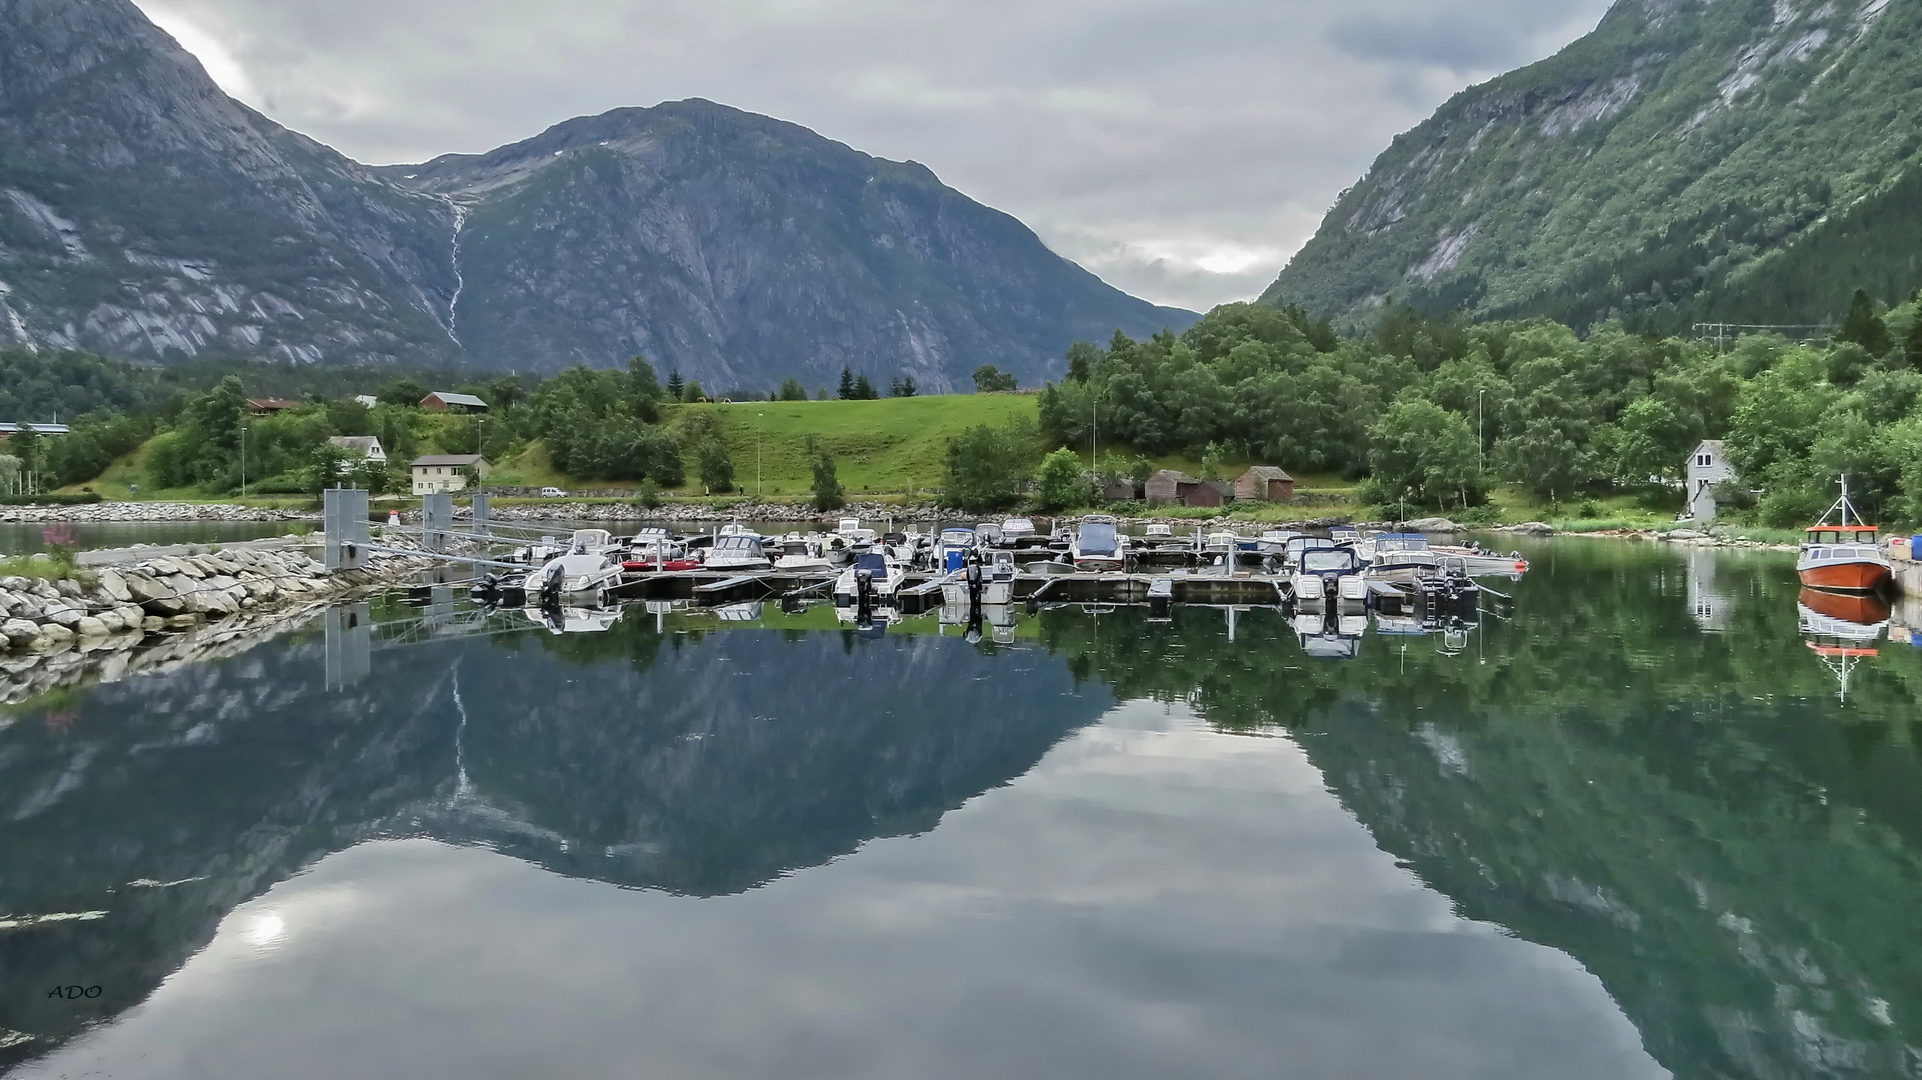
{"x":436,"y":473}
{"x":360,"y":446}
{"x":1707,"y":467}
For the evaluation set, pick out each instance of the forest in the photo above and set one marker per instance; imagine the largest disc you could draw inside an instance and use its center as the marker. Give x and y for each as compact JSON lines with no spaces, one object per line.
{"x":1417,"y":411}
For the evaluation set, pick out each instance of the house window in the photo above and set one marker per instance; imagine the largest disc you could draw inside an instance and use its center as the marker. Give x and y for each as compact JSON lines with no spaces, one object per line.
{"x":1702,"y":459}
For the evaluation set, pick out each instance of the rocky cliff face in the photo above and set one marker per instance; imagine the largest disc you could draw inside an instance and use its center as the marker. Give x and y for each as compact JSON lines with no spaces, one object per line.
{"x":144,"y":213}
{"x":1687,"y":160}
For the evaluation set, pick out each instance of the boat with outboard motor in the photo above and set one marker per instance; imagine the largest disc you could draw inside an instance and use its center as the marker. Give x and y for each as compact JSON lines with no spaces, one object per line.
{"x":872,"y":580}
{"x":592,"y":563}
{"x":1400,"y":557}
{"x":951,"y":549}
{"x":1843,"y":556}
{"x":1330,"y":577}
{"x":993,"y":581}
{"x":1098,"y":545}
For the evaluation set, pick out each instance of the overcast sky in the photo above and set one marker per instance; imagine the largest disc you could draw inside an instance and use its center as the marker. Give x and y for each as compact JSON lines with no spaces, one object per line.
{"x":1182,"y":149}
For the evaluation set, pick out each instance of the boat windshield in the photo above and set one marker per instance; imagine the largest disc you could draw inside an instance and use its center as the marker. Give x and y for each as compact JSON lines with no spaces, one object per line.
{"x":1098,"y":539}
{"x":1401,"y":542}
{"x":1322,"y":560}
{"x":748,"y":545}
{"x":963,"y":537}
{"x":869,"y":560}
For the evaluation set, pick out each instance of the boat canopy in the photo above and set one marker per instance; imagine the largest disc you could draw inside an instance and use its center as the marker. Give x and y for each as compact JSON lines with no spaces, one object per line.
{"x":1842,"y":534}
{"x":1401,"y":542}
{"x":957,"y":536}
{"x":1098,"y":538}
{"x":1328,"y":560}
{"x":738,"y":543}
{"x":871,"y":560}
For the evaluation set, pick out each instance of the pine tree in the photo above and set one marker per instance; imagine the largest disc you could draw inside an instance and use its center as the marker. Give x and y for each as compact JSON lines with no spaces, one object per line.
{"x":1864,"y":327}
{"x":675,"y":387}
{"x":847,"y":384}
{"x":863,"y":389}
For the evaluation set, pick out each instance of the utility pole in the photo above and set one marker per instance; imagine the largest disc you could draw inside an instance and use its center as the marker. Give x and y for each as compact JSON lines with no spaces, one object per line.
{"x":1480,"y":467}
{"x":760,"y":436}
{"x":243,"y":459}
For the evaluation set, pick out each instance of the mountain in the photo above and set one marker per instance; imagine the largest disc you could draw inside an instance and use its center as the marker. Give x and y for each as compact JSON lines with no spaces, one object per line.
{"x":145,"y":214}
{"x":743,"y":249}
{"x":1689,"y":160}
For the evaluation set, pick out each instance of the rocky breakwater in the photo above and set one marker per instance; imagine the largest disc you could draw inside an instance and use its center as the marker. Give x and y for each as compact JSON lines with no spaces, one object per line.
{"x":90,"y":513}
{"x":53,"y":629}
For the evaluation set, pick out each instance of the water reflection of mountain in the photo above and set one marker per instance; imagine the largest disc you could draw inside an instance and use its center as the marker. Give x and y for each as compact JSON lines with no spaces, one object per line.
{"x":1691,"y":816}
{"x":703,"y":766}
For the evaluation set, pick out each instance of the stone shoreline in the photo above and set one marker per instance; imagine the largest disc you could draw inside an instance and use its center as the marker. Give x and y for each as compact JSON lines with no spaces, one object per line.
{"x":143,"y":512}
{"x":125,"y":618}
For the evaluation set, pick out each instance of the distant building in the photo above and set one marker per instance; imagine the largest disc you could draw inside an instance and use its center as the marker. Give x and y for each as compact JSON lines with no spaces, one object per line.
{"x":1707,"y":467}
{"x":38,"y":429}
{"x":1171,"y":488}
{"x":1267,"y":483}
{"x":266,"y":405}
{"x":436,"y":473}
{"x":360,"y":446}
{"x":368,"y":400}
{"x":443,"y":400}
{"x":1121,"y":490}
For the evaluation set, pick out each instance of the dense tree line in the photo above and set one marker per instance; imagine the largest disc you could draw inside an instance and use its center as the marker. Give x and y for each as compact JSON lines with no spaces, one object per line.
{"x":1438,"y":410}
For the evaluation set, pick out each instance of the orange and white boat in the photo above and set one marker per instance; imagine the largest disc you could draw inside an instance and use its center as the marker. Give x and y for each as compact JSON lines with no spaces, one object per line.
{"x":1842,"y":556}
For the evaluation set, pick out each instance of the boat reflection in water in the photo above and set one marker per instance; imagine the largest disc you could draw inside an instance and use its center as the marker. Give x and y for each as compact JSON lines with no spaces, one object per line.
{"x":1842,"y":629}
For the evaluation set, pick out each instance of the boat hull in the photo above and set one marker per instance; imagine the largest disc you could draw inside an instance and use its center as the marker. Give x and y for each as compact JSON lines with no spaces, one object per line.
{"x":1851,"y":577}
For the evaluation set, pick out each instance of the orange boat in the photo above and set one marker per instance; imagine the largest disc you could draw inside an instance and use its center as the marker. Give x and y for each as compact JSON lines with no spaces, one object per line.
{"x":1843,"y":556}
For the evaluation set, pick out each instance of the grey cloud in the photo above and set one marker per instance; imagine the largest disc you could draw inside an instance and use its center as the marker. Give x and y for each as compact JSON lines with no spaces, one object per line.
{"x":1144,"y":137}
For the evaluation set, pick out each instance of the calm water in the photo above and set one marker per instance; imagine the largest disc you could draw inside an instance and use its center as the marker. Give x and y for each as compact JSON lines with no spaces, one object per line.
{"x":1630,"y":833}
{"x":19,"y":539}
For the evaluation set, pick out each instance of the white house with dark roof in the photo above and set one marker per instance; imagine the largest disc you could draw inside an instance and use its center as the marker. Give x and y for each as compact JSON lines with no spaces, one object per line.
{"x":1707,"y":467}
{"x":360,"y":446}
{"x":436,"y":473}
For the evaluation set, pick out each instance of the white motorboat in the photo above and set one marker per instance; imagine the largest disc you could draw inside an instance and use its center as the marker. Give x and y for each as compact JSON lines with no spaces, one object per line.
{"x":870,"y":582}
{"x":951,"y":549}
{"x":1274,"y":542}
{"x":996,"y":582}
{"x":1299,"y":544}
{"x":584,"y":570}
{"x":655,"y":545}
{"x":802,"y":553}
{"x":737,"y":553}
{"x":1098,"y":545}
{"x":1478,"y":562}
{"x":1019,"y":532}
{"x":850,"y":530}
{"x":1331,"y":576}
{"x":1158,"y":532}
{"x":1401,"y":557}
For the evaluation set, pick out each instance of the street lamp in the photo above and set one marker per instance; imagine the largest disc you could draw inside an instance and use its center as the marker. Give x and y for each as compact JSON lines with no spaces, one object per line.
{"x":1479,"y":467}
{"x":243,"y":460}
{"x":760,"y":435}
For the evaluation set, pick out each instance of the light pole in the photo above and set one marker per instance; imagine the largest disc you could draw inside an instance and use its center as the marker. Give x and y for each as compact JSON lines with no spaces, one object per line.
{"x":243,"y":460}
{"x":1479,"y":467}
{"x":478,"y":421}
{"x":760,"y":436}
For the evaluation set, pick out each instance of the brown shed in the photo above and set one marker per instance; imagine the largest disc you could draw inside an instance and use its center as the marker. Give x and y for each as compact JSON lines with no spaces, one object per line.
{"x":1179,"y":489}
{"x":1266,"y":482}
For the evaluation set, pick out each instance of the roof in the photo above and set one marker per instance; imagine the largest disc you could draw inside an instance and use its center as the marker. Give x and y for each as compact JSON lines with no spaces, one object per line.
{"x":452,"y":398}
{"x":1713,"y":446}
{"x":448,"y":459}
{"x":1171,"y":474}
{"x":355,"y":442}
{"x":272,"y":404}
{"x":1266,"y":472}
{"x":39,"y":429}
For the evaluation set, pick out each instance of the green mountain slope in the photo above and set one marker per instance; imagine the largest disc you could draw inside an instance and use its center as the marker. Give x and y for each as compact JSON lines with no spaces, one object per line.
{"x":1739,"y":160}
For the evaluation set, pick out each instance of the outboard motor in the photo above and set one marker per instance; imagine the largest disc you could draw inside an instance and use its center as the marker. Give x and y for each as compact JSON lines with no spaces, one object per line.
{"x":864,"y":595}
{"x":974,"y":591}
{"x":551,"y":585}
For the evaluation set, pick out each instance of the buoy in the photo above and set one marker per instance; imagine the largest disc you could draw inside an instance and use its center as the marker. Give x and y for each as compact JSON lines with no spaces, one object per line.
{"x":393,"y":517}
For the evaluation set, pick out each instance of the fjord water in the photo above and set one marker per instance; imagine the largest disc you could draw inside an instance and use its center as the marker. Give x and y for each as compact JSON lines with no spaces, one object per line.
{"x":1630,"y":832}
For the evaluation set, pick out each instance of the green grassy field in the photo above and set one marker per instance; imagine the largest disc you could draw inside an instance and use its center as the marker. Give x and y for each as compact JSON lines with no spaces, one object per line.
{"x":893,"y":446}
